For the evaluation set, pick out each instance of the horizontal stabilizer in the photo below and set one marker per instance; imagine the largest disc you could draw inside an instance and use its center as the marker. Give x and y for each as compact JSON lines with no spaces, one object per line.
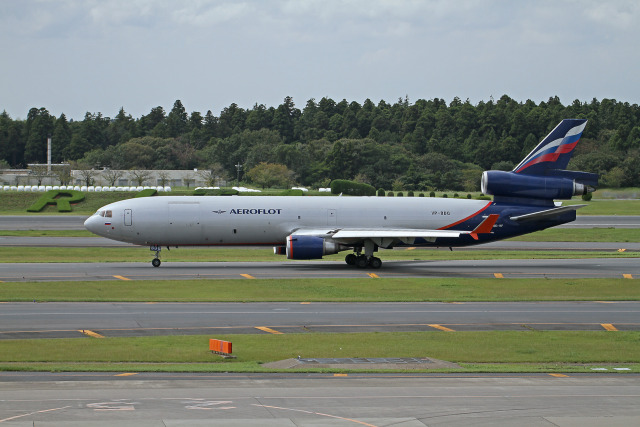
{"x":485,"y":226}
{"x":547,"y":214}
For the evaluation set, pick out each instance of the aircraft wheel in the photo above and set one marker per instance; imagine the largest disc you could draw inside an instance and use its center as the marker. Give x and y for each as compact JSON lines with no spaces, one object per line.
{"x":362,"y":261}
{"x":155,"y":262}
{"x":351,"y":259}
{"x":375,"y":262}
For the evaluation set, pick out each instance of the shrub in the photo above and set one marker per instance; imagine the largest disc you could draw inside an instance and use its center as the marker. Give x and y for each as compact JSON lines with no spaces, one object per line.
{"x":587,"y":197}
{"x":380,"y":192}
{"x":410,"y":194}
{"x":146,"y":193}
{"x":390,"y":194}
{"x":421,"y":195}
{"x":399,"y":194}
{"x":468,"y":196}
{"x":432,"y":194}
{"x":291,"y":192}
{"x":352,"y":188}
{"x":445,"y":195}
{"x":456,"y":195}
{"x":215,"y":192}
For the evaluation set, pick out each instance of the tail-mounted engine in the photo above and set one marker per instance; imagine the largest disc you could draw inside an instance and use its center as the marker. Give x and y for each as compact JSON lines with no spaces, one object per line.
{"x":310,"y":247}
{"x":557,"y":184}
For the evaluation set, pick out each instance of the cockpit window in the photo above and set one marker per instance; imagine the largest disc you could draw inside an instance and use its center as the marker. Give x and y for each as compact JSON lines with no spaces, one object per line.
{"x":108,"y":214}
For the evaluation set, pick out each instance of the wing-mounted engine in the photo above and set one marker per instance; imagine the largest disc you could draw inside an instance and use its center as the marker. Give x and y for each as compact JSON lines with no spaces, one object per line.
{"x":311,"y":247}
{"x":556,"y":184}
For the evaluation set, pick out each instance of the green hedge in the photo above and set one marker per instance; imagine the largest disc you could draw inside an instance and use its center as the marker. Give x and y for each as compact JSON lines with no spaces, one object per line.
{"x":61,"y":198}
{"x":146,"y":193}
{"x":352,"y":188}
{"x":215,"y":192}
{"x":291,"y":192}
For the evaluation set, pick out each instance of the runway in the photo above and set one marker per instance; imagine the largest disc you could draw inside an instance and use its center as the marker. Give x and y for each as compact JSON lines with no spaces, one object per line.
{"x":290,"y":400}
{"x":62,"y":320}
{"x":510,"y":268}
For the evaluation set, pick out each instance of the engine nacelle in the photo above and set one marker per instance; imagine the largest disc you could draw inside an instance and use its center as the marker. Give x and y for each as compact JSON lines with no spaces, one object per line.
{"x":510,"y":184}
{"x":311,"y":247}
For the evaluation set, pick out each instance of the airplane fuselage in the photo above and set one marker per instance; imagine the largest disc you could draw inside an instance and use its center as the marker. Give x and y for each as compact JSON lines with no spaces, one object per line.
{"x":253,"y":220}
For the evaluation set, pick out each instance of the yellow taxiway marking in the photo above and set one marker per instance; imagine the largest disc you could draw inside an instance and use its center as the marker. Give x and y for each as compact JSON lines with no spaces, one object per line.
{"x":621,"y":250}
{"x":90,"y":333}
{"x":559,"y":375}
{"x":247,"y":276}
{"x":340,"y":375}
{"x":442,"y":328}
{"x":609,"y":327}
{"x":627,"y":276}
{"x":411,"y":248}
{"x":121,"y":278}
{"x":373,"y":275}
{"x":127,"y":374}
{"x":498,"y":275}
{"x":305,"y":303}
{"x":271,"y":331}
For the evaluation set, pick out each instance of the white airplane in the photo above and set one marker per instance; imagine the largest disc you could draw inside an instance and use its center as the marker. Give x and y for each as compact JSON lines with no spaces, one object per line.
{"x":310,"y":227}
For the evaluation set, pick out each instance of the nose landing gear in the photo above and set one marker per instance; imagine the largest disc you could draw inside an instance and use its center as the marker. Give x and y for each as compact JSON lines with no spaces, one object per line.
{"x":156,"y":261}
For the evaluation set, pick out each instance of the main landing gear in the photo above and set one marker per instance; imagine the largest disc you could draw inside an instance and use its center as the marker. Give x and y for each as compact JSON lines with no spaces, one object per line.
{"x":361,"y":261}
{"x":366,"y":260}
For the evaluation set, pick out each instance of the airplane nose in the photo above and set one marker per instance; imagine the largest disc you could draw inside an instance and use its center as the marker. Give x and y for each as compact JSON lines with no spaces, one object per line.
{"x":92,"y":224}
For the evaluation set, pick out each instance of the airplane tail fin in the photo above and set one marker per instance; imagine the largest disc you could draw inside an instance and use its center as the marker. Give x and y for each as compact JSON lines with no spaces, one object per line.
{"x":555,"y":150}
{"x":541,"y":174}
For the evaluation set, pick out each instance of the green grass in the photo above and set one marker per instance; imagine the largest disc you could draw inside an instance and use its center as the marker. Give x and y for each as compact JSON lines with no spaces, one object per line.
{"x":582,"y":235}
{"x":317,"y":290}
{"x":606,"y":207}
{"x":520,"y":350}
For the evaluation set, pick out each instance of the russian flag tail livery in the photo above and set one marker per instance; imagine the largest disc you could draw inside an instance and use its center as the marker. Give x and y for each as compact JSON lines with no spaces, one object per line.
{"x":554,"y":152}
{"x":542,"y":175}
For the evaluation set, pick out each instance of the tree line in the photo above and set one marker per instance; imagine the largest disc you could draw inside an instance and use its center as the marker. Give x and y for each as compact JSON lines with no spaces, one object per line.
{"x":427,"y":144}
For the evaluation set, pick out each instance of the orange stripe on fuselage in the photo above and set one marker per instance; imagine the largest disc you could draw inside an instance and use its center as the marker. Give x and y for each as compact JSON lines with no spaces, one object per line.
{"x":465,"y":219}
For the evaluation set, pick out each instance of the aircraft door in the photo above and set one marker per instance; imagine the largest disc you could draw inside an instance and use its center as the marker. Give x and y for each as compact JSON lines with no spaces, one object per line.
{"x":128,"y":217}
{"x":332,"y":218}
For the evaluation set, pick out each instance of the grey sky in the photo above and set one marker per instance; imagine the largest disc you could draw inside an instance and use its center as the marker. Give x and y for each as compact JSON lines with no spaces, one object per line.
{"x":98,"y":55}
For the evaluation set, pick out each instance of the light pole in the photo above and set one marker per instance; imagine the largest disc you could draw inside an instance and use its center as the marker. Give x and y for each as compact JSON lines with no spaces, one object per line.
{"x":238,"y":168}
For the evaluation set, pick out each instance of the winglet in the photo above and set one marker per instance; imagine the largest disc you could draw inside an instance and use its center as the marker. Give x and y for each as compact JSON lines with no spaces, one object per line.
{"x":485,"y":226}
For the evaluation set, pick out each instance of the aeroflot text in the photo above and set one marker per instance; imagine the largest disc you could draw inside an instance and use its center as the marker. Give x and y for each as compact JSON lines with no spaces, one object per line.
{"x":255,"y":211}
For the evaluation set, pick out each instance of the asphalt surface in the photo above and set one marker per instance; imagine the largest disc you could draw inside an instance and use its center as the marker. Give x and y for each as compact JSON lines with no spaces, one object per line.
{"x":259,"y":400}
{"x":62,"y":320}
{"x":511,"y":268}
{"x":76,"y":222}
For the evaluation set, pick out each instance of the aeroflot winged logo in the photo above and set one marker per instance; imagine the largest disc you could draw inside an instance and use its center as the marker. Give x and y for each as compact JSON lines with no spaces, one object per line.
{"x":218,"y":212}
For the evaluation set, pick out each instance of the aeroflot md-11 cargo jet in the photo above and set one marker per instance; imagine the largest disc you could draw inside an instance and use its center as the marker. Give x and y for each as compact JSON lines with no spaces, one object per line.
{"x":310,"y":227}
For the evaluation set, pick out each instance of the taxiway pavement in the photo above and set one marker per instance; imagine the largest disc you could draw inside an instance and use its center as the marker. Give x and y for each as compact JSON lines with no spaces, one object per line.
{"x":60,"y":320}
{"x":310,"y":400}
{"x":510,"y":268}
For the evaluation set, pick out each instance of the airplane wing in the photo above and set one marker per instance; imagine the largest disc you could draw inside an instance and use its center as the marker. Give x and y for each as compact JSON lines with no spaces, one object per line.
{"x":549,"y":213}
{"x":385,"y":237}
